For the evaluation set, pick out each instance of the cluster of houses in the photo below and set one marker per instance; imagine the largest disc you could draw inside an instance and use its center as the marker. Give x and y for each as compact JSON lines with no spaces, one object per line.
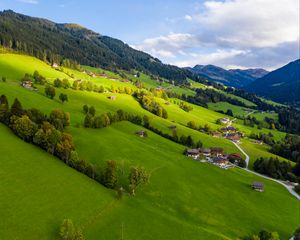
{"x":215,"y":156}
{"x":229,"y":133}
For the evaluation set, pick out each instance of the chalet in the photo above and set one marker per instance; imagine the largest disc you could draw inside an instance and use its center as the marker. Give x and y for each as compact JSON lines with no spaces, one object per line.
{"x":240,"y":134}
{"x":216,"y":134}
{"x":235,"y":156}
{"x":55,"y":65}
{"x":228,"y":129}
{"x":27,"y":84}
{"x":233,"y":137}
{"x":205,"y":151}
{"x":194,"y":153}
{"x":225,"y":120}
{"x":141,"y":133}
{"x":260,"y":142}
{"x":220,"y":161}
{"x":173,"y":127}
{"x":113,"y":98}
{"x":216,"y":151}
{"x":258,"y":186}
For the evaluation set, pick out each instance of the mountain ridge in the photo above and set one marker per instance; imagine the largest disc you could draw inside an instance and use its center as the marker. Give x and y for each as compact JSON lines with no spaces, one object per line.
{"x":281,"y":85}
{"x":231,"y":77}
{"x":55,"y":42}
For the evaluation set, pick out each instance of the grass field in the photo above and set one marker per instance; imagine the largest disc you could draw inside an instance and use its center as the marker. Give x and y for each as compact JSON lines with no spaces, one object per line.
{"x":184,"y":200}
{"x":38,"y":191}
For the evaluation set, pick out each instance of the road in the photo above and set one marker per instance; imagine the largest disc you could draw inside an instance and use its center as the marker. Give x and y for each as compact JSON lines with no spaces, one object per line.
{"x":247,"y":159}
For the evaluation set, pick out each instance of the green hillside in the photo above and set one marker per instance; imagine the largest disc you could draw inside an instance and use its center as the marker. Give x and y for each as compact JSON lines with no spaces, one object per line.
{"x":185,"y":199}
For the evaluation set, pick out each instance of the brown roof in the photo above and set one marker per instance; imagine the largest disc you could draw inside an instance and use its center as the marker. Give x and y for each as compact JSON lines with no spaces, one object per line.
{"x":192,"y":151}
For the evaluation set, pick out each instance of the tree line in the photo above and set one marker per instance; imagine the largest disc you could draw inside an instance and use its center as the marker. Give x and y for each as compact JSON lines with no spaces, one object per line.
{"x":277,"y":169}
{"x":48,"y":133}
{"x":106,"y":119}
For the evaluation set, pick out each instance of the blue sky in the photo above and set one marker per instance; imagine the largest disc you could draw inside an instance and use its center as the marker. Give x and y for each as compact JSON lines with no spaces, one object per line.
{"x":228,"y":33}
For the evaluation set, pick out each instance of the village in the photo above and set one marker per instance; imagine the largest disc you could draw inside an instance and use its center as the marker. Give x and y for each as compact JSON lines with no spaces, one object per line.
{"x":215,"y":156}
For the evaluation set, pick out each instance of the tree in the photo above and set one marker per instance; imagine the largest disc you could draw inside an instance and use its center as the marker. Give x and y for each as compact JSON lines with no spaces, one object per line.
{"x":69,"y":232}
{"x":92,"y":111}
{"x":50,"y":91}
{"x":59,"y":118}
{"x":16,"y":109}
{"x":137,"y":177}
{"x":88,"y":121}
{"x":192,"y":124}
{"x":25,"y":128}
{"x":3,"y":79}
{"x":64,"y":147}
{"x":110,"y":174}
{"x":57,"y":83}
{"x":63,"y":97}
{"x":4,"y":108}
{"x":297,"y":234}
{"x":190,"y":141}
{"x":229,"y":112}
{"x":65,"y":83}
{"x":85,"y":109}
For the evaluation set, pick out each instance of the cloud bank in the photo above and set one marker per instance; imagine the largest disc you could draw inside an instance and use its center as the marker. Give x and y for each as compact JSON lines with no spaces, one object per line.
{"x":245,"y":33}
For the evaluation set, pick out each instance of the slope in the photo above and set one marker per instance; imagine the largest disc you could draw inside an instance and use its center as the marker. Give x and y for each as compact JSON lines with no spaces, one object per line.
{"x":38,"y":191}
{"x":281,"y":85}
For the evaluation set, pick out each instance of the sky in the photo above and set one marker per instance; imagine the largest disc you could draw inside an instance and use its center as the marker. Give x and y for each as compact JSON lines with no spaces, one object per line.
{"x":226,"y":33}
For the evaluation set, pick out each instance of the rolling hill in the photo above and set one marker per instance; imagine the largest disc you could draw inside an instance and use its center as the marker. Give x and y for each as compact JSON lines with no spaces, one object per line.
{"x":57,"y":42}
{"x":232,"y":77}
{"x":185,"y":199}
{"x":281,"y":85}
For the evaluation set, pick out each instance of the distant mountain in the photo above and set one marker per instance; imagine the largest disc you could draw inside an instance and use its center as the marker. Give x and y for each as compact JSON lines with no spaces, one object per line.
{"x":54,"y":42}
{"x":281,"y":85}
{"x":232,"y":77}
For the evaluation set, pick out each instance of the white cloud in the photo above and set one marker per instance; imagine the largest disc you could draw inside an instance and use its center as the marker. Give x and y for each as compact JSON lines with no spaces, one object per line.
{"x":251,"y":23}
{"x":209,"y":58}
{"x":29,"y":1}
{"x":167,"y":46}
{"x":188,"y":17}
{"x":244,"y":33}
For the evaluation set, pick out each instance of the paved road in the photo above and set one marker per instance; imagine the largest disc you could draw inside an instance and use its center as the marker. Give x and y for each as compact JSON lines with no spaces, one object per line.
{"x":289,"y":188}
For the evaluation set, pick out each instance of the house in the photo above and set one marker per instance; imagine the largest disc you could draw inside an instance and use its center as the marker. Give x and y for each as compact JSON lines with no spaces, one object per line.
{"x":260,"y":142}
{"x":205,"y":151}
{"x":216,"y":151}
{"x":233,"y":137}
{"x":168,"y":103}
{"x":235,"y":156}
{"x":194,"y":153}
{"x":113,"y":98}
{"x":220,"y":161}
{"x":258,"y":186}
{"x":141,"y":133}
{"x":216,"y":134}
{"x":225,"y":120}
{"x":55,"y":65}
{"x":173,"y":127}
{"x":27,"y":84}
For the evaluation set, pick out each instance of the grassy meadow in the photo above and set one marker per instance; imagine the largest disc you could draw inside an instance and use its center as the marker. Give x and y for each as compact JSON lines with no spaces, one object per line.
{"x":184,"y":200}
